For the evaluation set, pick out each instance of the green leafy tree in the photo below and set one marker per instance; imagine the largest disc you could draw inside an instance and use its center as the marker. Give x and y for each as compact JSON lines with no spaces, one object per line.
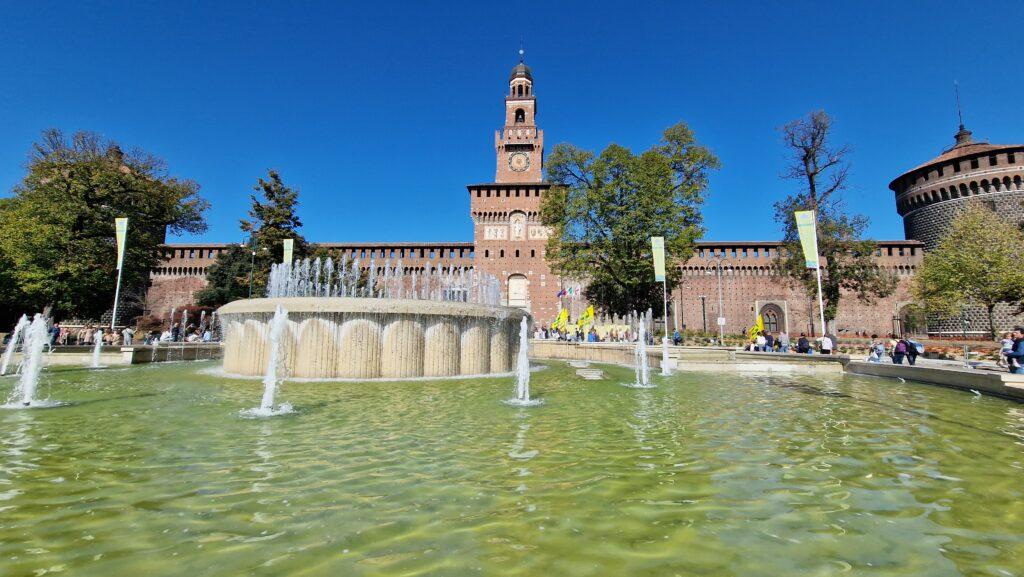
{"x":57,"y":230}
{"x":849,"y":260}
{"x":228,"y":277}
{"x":977,"y":263}
{"x":272,"y":218}
{"x":603,"y":210}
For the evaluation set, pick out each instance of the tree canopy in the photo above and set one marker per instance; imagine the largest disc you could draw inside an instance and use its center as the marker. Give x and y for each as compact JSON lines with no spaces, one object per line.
{"x":57,"y":242}
{"x":272,"y":218}
{"x":977,"y":262}
{"x":604,"y":208}
{"x":849,"y":260}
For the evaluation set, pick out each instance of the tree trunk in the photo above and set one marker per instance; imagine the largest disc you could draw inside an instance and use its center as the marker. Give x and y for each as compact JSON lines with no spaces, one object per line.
{"x":991,"y":321}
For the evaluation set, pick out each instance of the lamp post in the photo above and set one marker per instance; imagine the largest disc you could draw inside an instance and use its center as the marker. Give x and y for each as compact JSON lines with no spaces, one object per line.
{"x":719,"y":262}
{"x":704,"y":312}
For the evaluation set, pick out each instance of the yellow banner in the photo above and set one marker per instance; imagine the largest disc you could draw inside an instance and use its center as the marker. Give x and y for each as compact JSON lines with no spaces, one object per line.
{"x":807,"y":228}
{"x":289,"y":244}
{"x":658,"y":249}
{"x":121,"y":229}
{"x":586,"y":318}
{"x":562,"y":320}
{"x":757,"y":329}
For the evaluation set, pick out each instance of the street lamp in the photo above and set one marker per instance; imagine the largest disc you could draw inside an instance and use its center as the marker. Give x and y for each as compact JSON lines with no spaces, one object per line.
{"x":719,"y":262}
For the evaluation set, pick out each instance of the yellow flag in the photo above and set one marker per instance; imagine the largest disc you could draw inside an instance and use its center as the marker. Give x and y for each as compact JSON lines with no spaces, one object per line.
{"x":586,"y":318}
{"x":757,"y":329}
{"x":561,"y":321}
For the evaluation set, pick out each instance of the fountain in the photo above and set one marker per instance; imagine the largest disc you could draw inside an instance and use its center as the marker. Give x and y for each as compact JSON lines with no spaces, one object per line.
{"x":36,"y":338}
{"x":97,"y":348}
{"x":642,"y":364}
{"x":522,"y":398}
{"x":12,"y":344}
{"x":389,"y":322}
{"x":274,"y":365}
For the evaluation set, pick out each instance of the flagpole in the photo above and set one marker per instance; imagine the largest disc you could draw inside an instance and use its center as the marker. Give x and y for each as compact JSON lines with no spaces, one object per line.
{"x":664,"y":341}
{"x":821,"y":302}
{"x":117,"y":295}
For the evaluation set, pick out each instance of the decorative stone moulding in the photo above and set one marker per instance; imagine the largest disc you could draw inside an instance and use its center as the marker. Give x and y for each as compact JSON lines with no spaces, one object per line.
{"x":366,"y":338}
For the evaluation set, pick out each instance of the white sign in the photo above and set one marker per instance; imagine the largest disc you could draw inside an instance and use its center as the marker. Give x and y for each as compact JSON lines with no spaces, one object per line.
{"x":721,"y":321}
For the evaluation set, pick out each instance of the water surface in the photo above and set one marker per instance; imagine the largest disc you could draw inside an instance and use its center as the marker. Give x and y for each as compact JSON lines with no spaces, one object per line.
{"x":152,"y":471}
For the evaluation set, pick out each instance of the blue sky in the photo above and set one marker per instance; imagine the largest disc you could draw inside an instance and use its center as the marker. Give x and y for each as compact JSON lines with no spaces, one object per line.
{"x":381,"y":113}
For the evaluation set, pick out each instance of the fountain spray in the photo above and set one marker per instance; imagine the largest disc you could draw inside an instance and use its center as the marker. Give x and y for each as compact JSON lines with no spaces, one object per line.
{"x":270,"y":380}
{"x":12,"y":344}
{"x":36,"y":338}
{"x":97,"y":348}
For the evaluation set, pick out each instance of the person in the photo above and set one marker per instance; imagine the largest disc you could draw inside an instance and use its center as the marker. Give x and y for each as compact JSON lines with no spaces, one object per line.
{"x":913,"y":351}
{"x":803,"y":346}
{"x":783,"y":341}
{"x":760,"y":342}
{"x":834,"y":340}
{"x":1006,"y":346}
{"x":1015,"y":358}
{"x":207,"y":335}
{"x":876,"y":350}
{"x":54,"y":334}
{"x":890,"y":346}
{"x":826,"y":345}
{"x":899,"y":351}
{"x":176,"y":332}
{"x":129,"y":334}
{"x":769,"y":342}
{"x":676,"y":338}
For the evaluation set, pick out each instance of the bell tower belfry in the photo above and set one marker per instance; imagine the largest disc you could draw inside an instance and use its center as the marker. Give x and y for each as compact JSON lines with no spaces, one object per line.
{"x":520,"y":145}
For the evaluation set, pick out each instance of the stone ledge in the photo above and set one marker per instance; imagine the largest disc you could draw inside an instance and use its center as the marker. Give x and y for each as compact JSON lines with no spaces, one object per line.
{"x":991,"y":382}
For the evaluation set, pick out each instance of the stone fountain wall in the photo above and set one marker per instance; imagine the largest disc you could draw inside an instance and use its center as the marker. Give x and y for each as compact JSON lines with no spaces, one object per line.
{"x":365,"y":338}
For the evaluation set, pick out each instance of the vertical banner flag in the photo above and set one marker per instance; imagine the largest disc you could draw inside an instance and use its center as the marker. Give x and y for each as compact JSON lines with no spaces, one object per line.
{"x":806,"y":228}
{"x":289,"y":244}
{"x":121,"y":228}
{"x":658,"y":248}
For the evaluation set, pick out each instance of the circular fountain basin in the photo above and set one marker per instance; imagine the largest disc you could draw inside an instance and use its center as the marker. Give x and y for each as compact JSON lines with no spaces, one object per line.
{"x":368,"y":338}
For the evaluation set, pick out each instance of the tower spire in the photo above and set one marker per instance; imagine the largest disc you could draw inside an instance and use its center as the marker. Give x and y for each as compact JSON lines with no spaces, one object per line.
{"x":962,"y":136}
{"x":522,"y":52}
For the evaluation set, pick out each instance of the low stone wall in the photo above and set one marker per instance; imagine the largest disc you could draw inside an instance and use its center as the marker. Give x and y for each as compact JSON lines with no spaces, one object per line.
{"x":992,"y":382}
{"x":81,"y":356}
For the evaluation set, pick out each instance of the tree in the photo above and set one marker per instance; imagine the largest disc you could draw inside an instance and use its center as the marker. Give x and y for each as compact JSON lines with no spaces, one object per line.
{"x":849,"y":264}
{"x":57,"y":230}
{"x":228,"y":277}
{"x":604,"y":209}
{"x":272,"y":218}
{"x":976,"y":263}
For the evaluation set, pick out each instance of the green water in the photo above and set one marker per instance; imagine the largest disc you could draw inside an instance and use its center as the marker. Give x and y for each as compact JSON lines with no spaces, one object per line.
{"x":151,"y":471}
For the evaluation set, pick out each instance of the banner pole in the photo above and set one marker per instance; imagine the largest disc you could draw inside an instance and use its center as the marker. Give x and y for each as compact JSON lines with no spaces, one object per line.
{"x":117,"y":295}
{"x":121,"y":234}
{"x":664,"y":341}
{"x":821,"y":302}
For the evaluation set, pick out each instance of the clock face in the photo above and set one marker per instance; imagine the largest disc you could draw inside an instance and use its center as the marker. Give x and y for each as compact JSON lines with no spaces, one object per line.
{"x":519,"y":161}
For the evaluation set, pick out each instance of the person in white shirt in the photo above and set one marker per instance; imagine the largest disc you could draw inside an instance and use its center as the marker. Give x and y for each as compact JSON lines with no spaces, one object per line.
{"x":826,"y":345}
{"x":759,"y":342}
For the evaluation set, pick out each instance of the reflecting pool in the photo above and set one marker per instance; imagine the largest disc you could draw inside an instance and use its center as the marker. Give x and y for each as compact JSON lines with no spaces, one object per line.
{"x":153,"y":471}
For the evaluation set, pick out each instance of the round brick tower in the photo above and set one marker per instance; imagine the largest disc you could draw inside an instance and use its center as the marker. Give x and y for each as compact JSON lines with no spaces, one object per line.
{"x":929,"y":197}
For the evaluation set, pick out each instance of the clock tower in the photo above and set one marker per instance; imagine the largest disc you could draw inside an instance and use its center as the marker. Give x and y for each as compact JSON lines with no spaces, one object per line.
{"x":520,"y":145}
{"x":509,"y":239}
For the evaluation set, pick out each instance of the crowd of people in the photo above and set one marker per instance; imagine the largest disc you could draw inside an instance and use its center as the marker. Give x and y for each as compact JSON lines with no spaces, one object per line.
{"x":86,"y":335}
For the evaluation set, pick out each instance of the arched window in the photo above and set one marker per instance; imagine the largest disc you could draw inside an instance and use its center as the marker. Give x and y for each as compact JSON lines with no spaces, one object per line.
{"x":520,"y":115}
{"x":774,"y":318}
{"x":518,"y":291}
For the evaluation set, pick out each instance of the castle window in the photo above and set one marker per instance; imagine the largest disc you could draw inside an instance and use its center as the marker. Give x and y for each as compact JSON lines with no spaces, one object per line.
{"x":1011,"y":158}
{"x":974,"y":163}
{"x":501,"y":253}
{"x":520,"y":114}
{"x":487,"y":254}
{"x":940,"y":171}
{"x":956,"y":167}
{"x":488,"y":194}
{"x":517,"y":193}
{"x":992,"y":160}
{"x":478,"y":194}
{"x":533,"y":253}
{"x":517,"y":253}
